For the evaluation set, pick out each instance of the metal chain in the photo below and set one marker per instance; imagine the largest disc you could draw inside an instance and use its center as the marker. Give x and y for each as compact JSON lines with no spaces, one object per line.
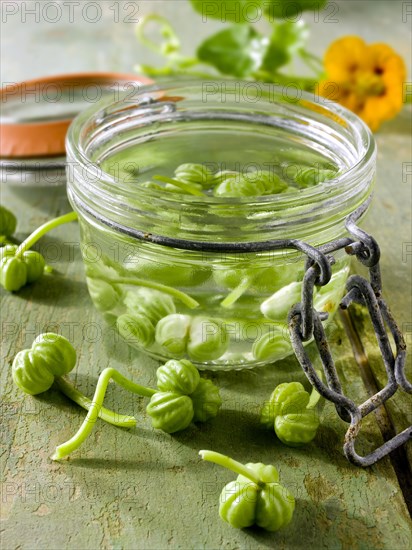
{"x":306,"y":323}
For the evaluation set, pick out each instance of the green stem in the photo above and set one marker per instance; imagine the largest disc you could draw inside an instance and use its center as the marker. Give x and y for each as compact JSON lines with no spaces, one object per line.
{"x":184,"y":298}
{"x":181,"y":185}
{"x":237,"y":292}
{"x":171,"y":70}
{"x":312,"y":61}
{"x":42,"y":230}
{"x":230,"y":464}
{"x":85,"y":429}
{"x":307,"y":84}
{"x":166,"y":29}
{"x":121,"y":420}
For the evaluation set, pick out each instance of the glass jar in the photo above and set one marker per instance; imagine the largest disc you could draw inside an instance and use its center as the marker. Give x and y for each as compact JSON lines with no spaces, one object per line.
{"x":165,"y":258}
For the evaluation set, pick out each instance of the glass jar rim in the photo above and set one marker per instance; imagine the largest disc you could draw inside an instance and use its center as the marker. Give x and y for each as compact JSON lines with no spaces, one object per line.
{"x":106,"y":114}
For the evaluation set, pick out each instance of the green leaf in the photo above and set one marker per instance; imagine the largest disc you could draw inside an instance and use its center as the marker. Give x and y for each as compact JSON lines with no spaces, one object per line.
{"x":235,"y":11}
{"x":288,"y":9}
{"x":237,"y":51}
{"x":286,"y":40}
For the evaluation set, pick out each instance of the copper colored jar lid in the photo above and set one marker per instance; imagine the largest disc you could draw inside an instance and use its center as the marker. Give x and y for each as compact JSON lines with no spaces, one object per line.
{"x":36,"y":114}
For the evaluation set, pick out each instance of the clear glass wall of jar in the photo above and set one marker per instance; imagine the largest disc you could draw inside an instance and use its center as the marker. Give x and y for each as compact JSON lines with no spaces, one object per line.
{"x":148,"y":245}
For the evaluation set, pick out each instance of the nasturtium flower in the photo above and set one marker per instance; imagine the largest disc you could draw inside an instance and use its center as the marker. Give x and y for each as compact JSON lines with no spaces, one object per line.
{"x":367,"y":79}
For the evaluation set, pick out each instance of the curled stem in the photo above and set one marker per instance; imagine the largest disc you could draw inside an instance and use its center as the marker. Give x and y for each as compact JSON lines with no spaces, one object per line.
{"x":121,"y":420}
{"x":184,"y":298}
{"x":171,"y":43}
{"x":42,"y":230}
{"x":85,"y":429}
{"x":230,"y":464}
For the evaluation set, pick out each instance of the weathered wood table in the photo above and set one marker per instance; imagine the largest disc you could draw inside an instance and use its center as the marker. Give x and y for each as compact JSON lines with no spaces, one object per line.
{"x":143,"y":488}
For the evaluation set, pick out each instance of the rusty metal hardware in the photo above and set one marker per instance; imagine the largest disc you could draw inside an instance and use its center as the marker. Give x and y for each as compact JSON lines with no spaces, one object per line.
{"x":306,"y":323}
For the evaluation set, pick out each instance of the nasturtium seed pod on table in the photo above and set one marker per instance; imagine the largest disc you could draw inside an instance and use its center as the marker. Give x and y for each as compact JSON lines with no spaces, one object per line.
{"x":136,"y":329}
{"x":208,"y":339}
{"x":35,"y":265}
{"x":170,"y":411}
{"x":206,"y":400}
{"x":255,"y":498}
{"x":8,"y":222}
{"x":290,"y":414}
{"x":172,"y":333}
{"x":181,"y":378}
{"x":178,"y":376}
{"x":243,"y":504}
{"x":16,"y":271}
{"x":50,"y":356}
{"x":13,"y":273}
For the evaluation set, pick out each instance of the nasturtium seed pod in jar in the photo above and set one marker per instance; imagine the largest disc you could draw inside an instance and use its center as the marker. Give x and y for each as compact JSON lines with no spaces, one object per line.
{"x":181,"y":192}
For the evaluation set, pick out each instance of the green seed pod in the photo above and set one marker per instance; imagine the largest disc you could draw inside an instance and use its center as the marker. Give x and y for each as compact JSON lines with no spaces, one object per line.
{"x":239,"y":186}
{"x":229,"y":278}
{"x":8,"y":222}
{"x":276,"y":308}
{"x":274,"y":507}
{"x":104,"y":295}
{"x":136,"y":329}
{"x":266,"y":472}
{"x":238,"y":503}
{"x":268,"y":279}
{"x":288,"y":414}
{"x":174,"y":189}
{"x":208,"y":339}
{"x":310,"y":177}
{"x":271,"y":182}
{"x":288,"y":394}
{"x":168,"y":273}
{"x":170,"y":412}
{"x":151,"y":303}
{"x":272,"y":345}
{"x":206,"y":401}
{"x":296,"y":429}
{"x":329,"y":296}
{"x":178,"y":377}
{"x":102,"y":267}
{"x":195,"y":173}
{"x":35,"y":265}
{"x":152,"y":185}
{"x":13,"y":273}
{"x":34,"y":370}
{"x":269,"y":505}
{"x":8,"y":251}
{"x":172,"y":333}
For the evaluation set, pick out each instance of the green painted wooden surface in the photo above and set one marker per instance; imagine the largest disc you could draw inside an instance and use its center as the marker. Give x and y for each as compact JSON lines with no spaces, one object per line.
{"x":146,"y":489}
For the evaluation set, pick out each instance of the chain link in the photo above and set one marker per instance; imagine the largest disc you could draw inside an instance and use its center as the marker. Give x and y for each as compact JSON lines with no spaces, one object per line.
{"x":306,"y":323}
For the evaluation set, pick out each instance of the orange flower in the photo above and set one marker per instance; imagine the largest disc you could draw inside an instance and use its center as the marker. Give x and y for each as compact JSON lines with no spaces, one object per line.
{"x":366,"y":79}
